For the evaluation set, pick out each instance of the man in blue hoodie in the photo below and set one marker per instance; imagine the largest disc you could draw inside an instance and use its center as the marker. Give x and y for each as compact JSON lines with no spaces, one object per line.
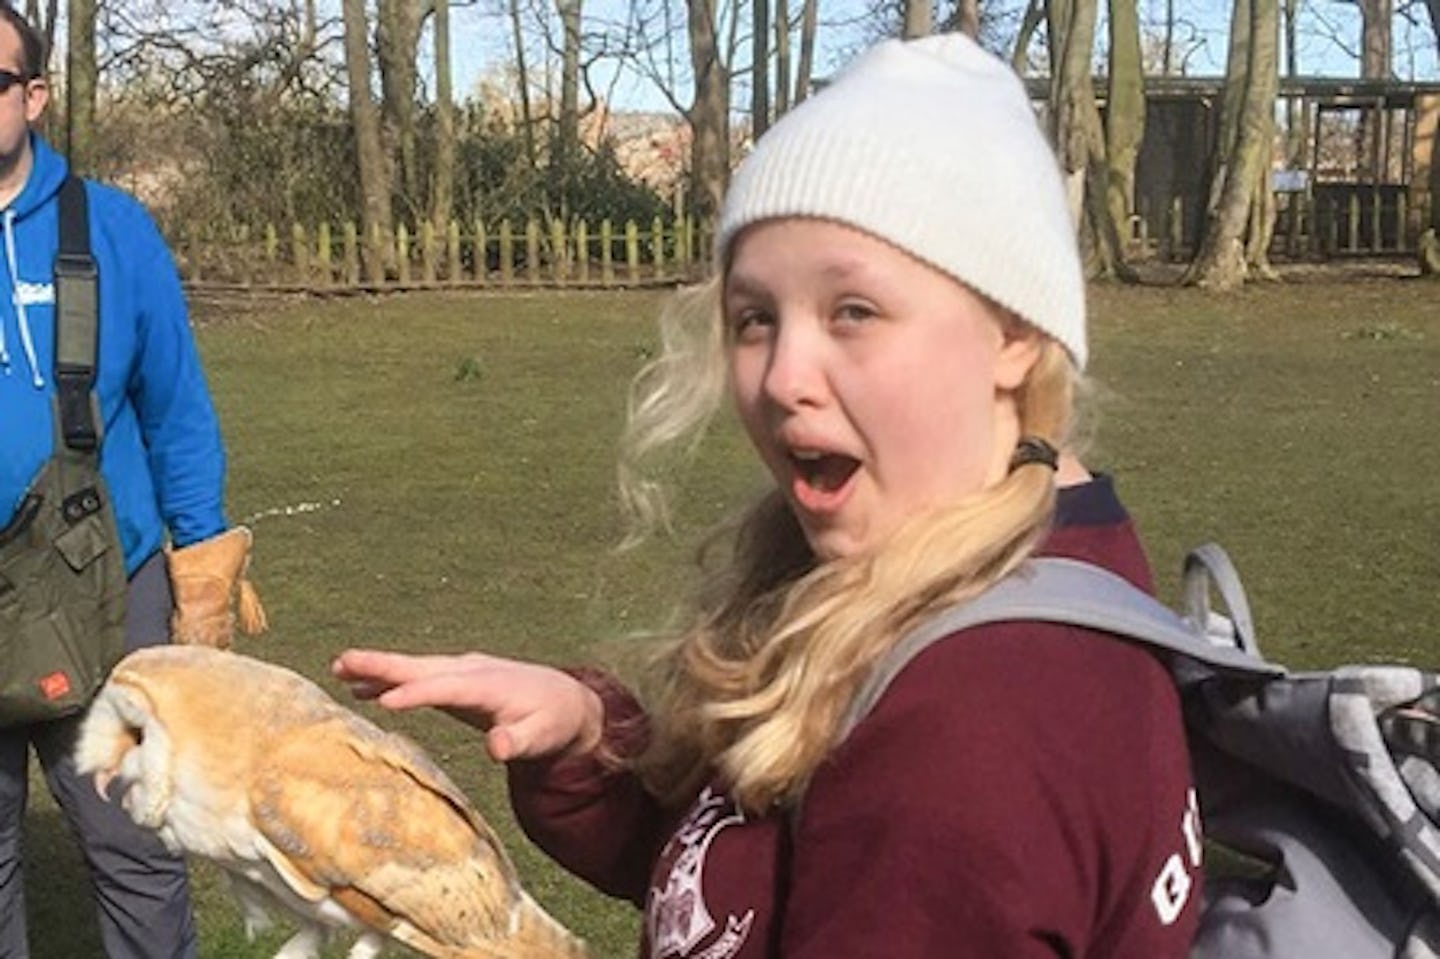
{"x":162,"y":463}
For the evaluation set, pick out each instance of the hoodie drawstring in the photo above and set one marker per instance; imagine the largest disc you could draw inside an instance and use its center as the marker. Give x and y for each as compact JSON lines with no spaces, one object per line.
{"x":14,"y":295}
{"x":25,"y":340}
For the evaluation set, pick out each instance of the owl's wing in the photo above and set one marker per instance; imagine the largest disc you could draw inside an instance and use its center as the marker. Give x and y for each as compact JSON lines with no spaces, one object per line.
{"x":364,"y":817}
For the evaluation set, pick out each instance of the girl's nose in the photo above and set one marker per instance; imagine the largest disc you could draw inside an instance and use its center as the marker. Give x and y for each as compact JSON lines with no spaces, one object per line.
{"x":794,"y":376}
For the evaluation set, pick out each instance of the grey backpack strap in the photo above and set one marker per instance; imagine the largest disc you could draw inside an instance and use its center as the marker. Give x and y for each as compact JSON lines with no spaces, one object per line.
{"x":1208,"y":567}
{"x":1075,"y":593}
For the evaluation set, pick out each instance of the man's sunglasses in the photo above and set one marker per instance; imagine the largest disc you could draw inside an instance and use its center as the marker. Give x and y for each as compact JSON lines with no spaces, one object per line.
{"x":9,"y":78}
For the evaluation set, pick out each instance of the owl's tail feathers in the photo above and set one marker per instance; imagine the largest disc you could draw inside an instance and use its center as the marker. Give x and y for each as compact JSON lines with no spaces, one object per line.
{"x":537,"y":935}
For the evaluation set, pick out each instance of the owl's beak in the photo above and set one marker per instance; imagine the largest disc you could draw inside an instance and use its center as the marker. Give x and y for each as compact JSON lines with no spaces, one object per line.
{"x":103,"y":778}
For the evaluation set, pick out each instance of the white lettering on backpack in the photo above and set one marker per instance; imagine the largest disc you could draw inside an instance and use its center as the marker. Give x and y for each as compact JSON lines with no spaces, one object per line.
{"x":1172,"y":887}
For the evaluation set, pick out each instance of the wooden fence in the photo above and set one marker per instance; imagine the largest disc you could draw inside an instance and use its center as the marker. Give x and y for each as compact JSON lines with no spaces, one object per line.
{"x":1331,"y":220}
{"x":507,"y":255}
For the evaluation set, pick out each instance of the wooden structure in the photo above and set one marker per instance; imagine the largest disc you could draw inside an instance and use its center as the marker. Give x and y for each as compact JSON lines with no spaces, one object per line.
{"x":1351,"y":164}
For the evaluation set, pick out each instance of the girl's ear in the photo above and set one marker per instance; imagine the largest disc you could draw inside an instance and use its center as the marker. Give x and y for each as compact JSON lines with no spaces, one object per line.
{"x":1019,"y":351}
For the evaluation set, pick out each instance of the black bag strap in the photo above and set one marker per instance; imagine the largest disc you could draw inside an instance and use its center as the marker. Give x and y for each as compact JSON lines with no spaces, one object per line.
{"x":77,"y":321}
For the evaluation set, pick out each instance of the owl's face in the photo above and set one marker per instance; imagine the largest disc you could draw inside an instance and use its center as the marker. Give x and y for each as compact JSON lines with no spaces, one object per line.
{"x":123,"y":744}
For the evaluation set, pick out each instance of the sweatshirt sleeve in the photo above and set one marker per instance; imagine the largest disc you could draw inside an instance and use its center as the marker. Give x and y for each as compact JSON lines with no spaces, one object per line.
{"x":989,"y":807}
{"x":172,"y":402}
{"x":591,"y":815}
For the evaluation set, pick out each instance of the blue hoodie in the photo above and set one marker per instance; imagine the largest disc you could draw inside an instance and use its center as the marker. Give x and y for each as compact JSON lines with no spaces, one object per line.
{"x":162,"y":457}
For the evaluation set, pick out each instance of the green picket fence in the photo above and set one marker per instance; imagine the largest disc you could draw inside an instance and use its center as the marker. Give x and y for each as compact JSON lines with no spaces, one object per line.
{"x":506,"y":255}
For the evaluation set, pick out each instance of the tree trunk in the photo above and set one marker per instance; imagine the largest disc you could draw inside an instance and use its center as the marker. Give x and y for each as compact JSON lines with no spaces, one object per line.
{"x":1029,"y":23}
{"x":1263,"y":209}
{"x":709,"y":113}
{"x":808,"y":17}
{"x":1263,"y":213}
{"x":967,"y":18}
{"x":1232,"y":98}
{"x":1294,"y":126}
{"x":44,"y":24}
{"x":759,"y":68}
{"x":1078,"y":137}
{"x":81,"y":74}
{"x":1430,"y":239}
{"x":1221,"y":263}
{"x":1375,"y":50}
{"x":307,"y":27}
{"x":442,"y":189}
{"x":1168,"y":44}
{"x":522,"y":79}
{"x":397,"y":39}
{"x":782,"y":58}
{"x":1376,"y":17}
{"x":1124,"y":117}
{"x":919,"y":19}
{"x":567,"y":141}
{"x":369,"y":155}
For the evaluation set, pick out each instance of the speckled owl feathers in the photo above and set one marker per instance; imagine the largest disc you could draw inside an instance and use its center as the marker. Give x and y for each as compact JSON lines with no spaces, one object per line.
{"x":344,"y":824}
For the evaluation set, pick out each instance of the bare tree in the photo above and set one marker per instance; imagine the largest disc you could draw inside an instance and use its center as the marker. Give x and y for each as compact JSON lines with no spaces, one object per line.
{"x":44,"y":21}
{"x":442,"y":188}
{"x":1030,"y":22}
{"x":966,"y":18}
{"x":277,"y":54}
{"x":1294,"y":134}
{"x":1376,"y":17}
{"x":1243,"y":176}
{"x":81,"y":74}
{"x":527,"y":117}
{"x":808,"y":18}
{"x":709,"y":112}
{"x":760,"y":67}
{"x":1375,"y":64}
{"x":919,"y":19}
{"x":1429,"y":253}
{"x":397,"y":39}
{"x":1078,"y":137}
{"x":782,"y":57}
{"x":1124,"y":116}
{"x":567,"y":134}
{"x":370,"y":155}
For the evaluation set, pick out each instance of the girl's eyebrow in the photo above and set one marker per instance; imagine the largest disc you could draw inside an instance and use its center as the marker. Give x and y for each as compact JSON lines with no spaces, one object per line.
{"x":843,"y":269}
{"x":738,"y":284}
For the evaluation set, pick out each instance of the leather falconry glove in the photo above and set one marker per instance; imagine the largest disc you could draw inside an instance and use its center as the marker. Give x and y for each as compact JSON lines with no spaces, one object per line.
{"x":205,"y":577}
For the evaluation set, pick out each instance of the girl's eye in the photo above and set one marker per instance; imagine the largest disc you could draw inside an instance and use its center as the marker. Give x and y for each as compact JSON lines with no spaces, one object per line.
{"x":750,"y":324}
{"x":854,"y":312}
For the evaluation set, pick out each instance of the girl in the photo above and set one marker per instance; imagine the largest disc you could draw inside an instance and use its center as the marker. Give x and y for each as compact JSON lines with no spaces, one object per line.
{"x":899,"y":322}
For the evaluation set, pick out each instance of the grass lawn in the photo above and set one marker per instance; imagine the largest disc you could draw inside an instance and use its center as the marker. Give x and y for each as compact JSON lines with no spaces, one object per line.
{"x":435,"y":472}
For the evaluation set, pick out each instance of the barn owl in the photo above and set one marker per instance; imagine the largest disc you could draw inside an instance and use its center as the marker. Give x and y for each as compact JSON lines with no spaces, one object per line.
{"x":307,"y":806}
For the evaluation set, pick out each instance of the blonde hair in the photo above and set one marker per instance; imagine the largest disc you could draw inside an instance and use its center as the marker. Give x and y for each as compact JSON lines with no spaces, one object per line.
{"x":755,"y":685}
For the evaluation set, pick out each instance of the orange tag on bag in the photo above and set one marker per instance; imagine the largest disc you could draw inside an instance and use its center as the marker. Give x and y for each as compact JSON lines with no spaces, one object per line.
{"x":53,"y":686}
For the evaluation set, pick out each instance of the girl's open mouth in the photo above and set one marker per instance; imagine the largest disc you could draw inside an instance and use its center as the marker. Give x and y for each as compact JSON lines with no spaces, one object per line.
{"x":821,"y":479}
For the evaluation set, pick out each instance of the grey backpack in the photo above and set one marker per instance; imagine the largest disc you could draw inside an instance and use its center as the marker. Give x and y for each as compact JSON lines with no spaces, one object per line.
{"x":1319,"y":792}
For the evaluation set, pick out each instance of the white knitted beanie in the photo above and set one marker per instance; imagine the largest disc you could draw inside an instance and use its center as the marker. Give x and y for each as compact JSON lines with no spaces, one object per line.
{"x":933,"y":146}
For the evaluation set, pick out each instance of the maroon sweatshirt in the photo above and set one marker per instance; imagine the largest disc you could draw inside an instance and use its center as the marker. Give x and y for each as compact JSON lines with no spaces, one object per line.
{"x":1020,"y":790}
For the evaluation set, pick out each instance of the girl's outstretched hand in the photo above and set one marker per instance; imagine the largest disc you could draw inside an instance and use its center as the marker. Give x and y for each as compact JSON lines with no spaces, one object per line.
{"x":528,"y":711}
